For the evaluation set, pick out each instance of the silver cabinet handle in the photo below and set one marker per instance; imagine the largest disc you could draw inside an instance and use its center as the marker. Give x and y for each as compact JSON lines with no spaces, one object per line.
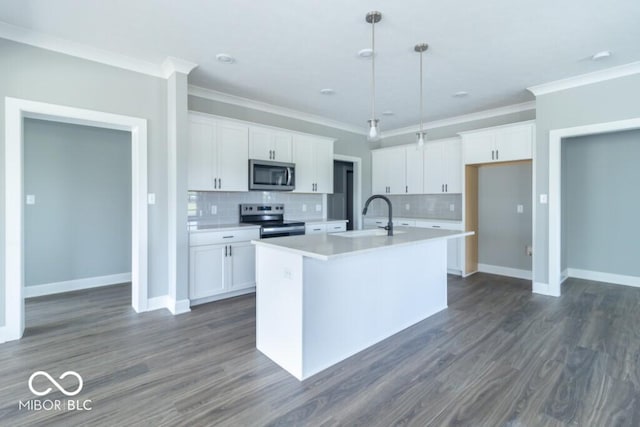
{"x":435,"y":226}
{"x":443,"y":188}
{"x":497,"y":154}
{"x":227,"y":237}
{"x":215,"y":183}
{"x":274,"y":154}
{"x":225,"y":250}
{"x":406,"y":188}
{"x":230,"y":253}
{"x":446,"y":188}
{"x":219,"y":182}
{"x":492,"y":154}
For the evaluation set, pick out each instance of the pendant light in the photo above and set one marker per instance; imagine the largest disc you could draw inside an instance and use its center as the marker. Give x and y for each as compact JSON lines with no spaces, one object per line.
{"x":420,"y":48}
{"x":374,"y":132}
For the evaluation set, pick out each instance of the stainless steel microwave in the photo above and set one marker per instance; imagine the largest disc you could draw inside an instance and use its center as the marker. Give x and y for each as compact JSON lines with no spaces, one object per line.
{"x":265,"y":175}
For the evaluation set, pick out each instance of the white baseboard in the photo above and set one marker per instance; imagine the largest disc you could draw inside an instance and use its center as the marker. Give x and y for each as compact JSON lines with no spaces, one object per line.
{"x":564,"y":275}
{"x":223,"y":296}
{"x":504,"y":271}
{"x":3,"y":337}
{"x":165,"y":301}
{"x":75,"y":285}
{"x":598,"y":276}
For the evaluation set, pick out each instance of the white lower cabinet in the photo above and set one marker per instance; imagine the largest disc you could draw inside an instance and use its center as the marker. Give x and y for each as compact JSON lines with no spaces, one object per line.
{"x":454,"y":246}
{"x":315,"y":228}
{"x":221,"y":264}
{"x":325,"y":227}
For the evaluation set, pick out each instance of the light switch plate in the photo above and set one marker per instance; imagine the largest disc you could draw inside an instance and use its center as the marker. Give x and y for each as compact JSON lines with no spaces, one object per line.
{"x":520,"y":209}
{"x":407,"y":206}
{"x":452,"y":207}
{"x":151,"y":198}
{"x":304,"y":207}
{"x":31,"y":199}
{"x":318,"y":208}
{"x":214,"y":209}
{"x":544,"y":199}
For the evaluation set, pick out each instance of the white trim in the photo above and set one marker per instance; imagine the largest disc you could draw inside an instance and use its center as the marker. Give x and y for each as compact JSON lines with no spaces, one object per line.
{"x":176,"y":65}
{"x":180,"y":306}
{"x":3,"y":335}
{"x":555,"y":197}
{"x":226,"y":98}
{"x":564,"y":275}
{"x":543,"y":289}
{"x":505,"y":271}
{"x":222,"y":296}
{"x":357,"y":183}
{"x":90,"y":53}
{"x":465,"y":118}
{"x":598,"y":276}
{"x":15,"y":111}
{"x":586,"y":79}
{"x":157,"y":303}
{"x":75,"y":285}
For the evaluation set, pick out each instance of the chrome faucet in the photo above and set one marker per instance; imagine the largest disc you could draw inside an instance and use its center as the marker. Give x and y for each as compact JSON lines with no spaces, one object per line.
{"x":389,"y":226}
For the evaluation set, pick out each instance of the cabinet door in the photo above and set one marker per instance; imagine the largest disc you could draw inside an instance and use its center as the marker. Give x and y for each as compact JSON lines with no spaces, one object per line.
{"x":433,"y":168}
{"x":378,"y":172}
{"x":282,"y":143}
{"x":242,"y":266}
{"x":514,"y":143}
{"x":201,"y":165}
{"x":396,"y":170}
{"x":452,"y":166}
{"x":233,"y":156}
{"x":478,"y":148}
{"x":305,"y":164}
{"x":315,"y":229}
{"x":323,"y":154}
{"x":414,"y":169}
{"x":206,"y":271}
{"x":260,"y":143}
{"x":453,"y":254}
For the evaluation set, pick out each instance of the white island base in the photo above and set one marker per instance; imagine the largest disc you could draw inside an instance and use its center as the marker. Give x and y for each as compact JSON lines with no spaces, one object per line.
{"x":313,"y":313}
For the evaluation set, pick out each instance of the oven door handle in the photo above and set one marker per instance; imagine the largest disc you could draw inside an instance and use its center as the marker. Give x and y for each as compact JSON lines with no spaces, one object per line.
{"x":288,"y":176}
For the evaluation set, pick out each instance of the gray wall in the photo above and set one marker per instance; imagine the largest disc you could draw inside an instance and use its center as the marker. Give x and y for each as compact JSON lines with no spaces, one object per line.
{"x":347,"y":143}
{"x":607,"y":101}
{"x":601,"y":202}
{"x":502,"y":232}
{"x":451,"y":131}
{"x":80,"y":225}
{"x":40,"y":75}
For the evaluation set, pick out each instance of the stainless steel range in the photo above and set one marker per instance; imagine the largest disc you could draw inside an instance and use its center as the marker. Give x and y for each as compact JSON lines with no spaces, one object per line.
{"x":270,"y":217}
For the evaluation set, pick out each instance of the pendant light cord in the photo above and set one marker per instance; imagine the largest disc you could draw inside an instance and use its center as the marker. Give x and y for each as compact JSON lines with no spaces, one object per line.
{"x":421,"y":93}
{"x":373,"y":69}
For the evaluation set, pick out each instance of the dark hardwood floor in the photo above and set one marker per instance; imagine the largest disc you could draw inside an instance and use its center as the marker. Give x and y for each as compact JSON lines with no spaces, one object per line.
{"x":498,"y":356}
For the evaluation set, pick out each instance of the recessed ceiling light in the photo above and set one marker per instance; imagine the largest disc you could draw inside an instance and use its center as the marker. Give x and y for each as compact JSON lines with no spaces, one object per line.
{"x":601,"y":55}
{"x":327,"y":91}
{"x":225,"y":58}
{"x":461,"y":94}
{"x":365,"y":53}
{"x":388,"y":113}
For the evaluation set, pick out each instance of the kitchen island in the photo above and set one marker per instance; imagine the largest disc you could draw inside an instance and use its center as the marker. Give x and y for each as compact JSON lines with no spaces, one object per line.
{"x":322,"y":298}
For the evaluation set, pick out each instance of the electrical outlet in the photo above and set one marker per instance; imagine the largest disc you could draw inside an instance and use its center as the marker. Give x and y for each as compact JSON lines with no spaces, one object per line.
{"x":544,"y":199}
{"x":520,"y":209}
{"x":214,"y":210}
{"x":304,"y":207}
{"x":452,"y":207}
{"x":318,"y":208}
{"x":151,"y":198}
{"x":407,"y":206}
{"x":528,"y":250}
{"x":31,"y":199}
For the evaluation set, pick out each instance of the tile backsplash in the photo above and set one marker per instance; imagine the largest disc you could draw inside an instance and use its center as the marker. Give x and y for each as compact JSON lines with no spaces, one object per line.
{"x":432,"y":206}
{"x":202,"y":204}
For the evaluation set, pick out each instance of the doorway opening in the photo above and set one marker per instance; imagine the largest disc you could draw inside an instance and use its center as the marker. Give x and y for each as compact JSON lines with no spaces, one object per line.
{"x":340,"y":203}
{"x":16,"y":111}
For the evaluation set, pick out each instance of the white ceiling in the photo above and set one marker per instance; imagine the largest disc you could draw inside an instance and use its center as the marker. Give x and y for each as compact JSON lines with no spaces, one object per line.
{"x":286,"y":51}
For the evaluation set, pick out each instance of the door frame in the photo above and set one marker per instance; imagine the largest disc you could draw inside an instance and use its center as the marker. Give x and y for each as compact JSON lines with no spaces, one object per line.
{"x":555,"y":197}
{"x":357,"y":187}
{"x":16,"y":110}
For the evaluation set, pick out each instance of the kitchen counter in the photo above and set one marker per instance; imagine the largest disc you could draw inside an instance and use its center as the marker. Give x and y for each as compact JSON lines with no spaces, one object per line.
{"x":322,"y":298}
{"x":323,"y":221}
{"x":327,"y":246}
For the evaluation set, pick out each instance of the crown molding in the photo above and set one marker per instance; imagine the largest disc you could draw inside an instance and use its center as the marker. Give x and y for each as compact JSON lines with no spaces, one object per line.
{"x":226,"y":98}
{"x":586,"y":79}
{"x":176,"y":65}
{"x":79,"y":50}
{"x":465,"y":118}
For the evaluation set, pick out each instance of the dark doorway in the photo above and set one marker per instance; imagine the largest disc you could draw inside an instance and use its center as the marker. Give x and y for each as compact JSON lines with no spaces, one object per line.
{"x":340,"y":203}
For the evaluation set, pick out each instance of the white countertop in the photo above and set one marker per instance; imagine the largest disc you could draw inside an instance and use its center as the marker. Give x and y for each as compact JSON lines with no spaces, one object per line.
{"x":196,"y":226}
{"x":332,"y":245}
{"x":322,"y":221}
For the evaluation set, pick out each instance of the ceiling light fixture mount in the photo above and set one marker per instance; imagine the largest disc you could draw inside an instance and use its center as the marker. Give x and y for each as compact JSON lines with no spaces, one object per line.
{"x":421,"y":48}
{"x":225,"y":58}
{"x":601,"y":55}
{"x":327,"y":91}
{"x":374,"y":132}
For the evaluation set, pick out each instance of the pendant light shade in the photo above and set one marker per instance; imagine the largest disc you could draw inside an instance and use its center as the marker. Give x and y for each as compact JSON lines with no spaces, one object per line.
{"x":374,"y":130}
{"x":422,"y":135}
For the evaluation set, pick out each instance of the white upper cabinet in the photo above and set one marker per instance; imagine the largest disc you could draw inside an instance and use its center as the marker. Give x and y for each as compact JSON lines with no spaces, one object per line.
{"x":218,"y":154}
{"x":389,"y":171}
{"x":443,"y":166}
{"x":397,"y":170}
{"x":499,"y":144}
{"x":313,"y":157}
{"x":269,"y":144}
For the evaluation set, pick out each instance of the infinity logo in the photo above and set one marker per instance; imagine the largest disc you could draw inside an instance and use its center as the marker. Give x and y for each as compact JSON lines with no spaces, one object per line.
{"x":55,"y":383}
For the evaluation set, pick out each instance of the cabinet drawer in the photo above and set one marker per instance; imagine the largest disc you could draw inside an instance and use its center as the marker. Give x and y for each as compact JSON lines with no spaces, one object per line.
{"x":336,"y":227}
{"x":228,"y":236}
{"x":404,"y":223}
{"x":315,"y":228}
{"x":440,"y":225}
